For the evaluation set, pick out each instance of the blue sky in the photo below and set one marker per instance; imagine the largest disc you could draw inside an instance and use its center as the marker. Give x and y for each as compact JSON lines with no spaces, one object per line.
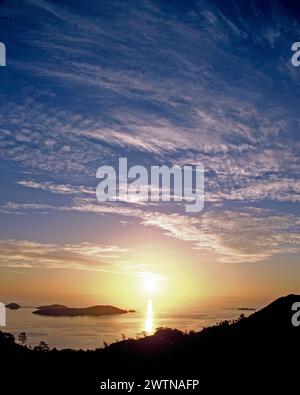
{"x":159,"y":82}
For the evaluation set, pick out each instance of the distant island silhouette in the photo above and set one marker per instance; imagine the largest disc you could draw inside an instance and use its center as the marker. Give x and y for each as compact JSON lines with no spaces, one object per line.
{"x":265,"y":344}
{"x":13,"y":306}
{"x":52,"y":306}
{"x":56,"y":310}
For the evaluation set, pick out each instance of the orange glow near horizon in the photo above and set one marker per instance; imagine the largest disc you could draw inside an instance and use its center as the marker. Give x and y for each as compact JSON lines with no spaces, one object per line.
{"x":167,"y":274}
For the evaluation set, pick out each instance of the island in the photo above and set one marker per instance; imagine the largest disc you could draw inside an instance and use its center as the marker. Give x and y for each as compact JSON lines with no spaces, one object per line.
{"x":53,"y":306}
{"x":13,"y":306}
{"x":64,"y":311}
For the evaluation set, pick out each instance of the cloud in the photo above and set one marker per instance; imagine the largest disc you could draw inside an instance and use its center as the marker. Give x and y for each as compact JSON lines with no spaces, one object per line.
{"x":282,"y":190}
{"x":80,"y":205}
{"x":202,"y":85}
{"x":156,"y":99}
{"x":82,"y":256}
{"x":13,"y":206}
{"x":62,"y":189}
{"x":233,"y":237}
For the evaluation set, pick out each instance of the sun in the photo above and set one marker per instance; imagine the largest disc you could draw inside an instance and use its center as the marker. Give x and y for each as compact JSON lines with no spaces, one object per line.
{"x":151,"y":282}
{"x":150,"y":285}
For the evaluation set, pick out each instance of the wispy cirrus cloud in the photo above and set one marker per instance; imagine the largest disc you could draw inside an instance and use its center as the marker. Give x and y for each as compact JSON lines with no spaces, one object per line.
{"x":282,"y":190}
{"x":234,"y":237}
{"x":200,"y":84}
{"x":83,"y":256}
{"x":61,"y":189}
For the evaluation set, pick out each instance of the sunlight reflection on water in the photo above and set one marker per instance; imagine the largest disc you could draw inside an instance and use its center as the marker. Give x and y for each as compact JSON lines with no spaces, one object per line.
{"x":90,"y":332}
{"x":149,"y":320}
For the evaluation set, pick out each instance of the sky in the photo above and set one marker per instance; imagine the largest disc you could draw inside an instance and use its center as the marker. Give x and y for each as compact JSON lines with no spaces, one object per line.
{"x":162,"y":83}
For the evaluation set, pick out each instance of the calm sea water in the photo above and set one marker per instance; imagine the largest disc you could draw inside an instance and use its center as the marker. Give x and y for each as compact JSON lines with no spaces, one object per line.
{"x":90,"y":332}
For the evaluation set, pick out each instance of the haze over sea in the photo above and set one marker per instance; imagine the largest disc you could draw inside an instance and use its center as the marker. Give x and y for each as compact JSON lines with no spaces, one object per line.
{"x":90,"y":332}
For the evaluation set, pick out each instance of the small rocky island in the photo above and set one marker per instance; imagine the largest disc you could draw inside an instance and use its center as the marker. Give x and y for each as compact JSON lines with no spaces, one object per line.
{"x":64,"y":311}
{"x":13,"y":306}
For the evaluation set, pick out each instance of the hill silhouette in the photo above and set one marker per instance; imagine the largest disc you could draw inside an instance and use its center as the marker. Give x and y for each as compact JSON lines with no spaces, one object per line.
{"x":264,"y":344}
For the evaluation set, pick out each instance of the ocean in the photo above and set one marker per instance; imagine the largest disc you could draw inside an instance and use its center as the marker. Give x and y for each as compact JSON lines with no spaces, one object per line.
{"x":91,"y":332}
